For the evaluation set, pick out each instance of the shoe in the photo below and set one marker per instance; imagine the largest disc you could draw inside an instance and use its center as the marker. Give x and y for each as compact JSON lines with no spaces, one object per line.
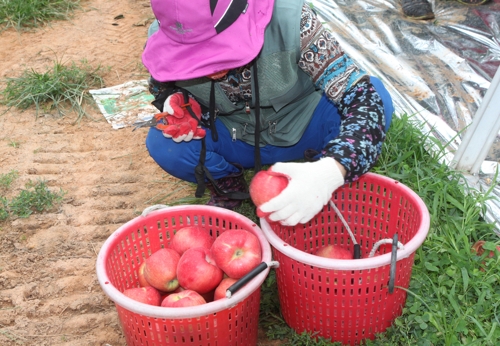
{"x":418,"y":9}
{"x":230,"y":191}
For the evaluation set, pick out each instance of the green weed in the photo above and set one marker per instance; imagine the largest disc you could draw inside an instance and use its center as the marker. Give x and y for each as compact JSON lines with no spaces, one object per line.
{"x":36,"y":197}
{"x":14,"y":144}
{"x":22,"y":14}
{"x":7,"y":179}
{"x":62,"y":88}
{"x":4,"y":208}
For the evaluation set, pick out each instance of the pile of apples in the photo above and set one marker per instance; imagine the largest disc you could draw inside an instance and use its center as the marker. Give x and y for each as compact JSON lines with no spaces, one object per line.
{"x":196,"y":268}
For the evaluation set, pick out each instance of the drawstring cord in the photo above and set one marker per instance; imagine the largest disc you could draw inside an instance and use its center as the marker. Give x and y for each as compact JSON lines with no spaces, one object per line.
{"x":201,"y":170}
{"x":257,"y":158}
{"x":211,"y":110}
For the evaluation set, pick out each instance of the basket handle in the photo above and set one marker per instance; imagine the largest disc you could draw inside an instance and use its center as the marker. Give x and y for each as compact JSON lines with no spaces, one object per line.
{"x":245,"y":279}
{"x":392,"y":276}
{"x":357,"y":251}
{"x":152,"y":208}
{"x":357,"y":247}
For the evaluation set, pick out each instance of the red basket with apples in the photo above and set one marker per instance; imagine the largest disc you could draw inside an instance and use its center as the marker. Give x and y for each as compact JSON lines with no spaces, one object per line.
{"x":349,"y":300}
{"x":227,"y":321}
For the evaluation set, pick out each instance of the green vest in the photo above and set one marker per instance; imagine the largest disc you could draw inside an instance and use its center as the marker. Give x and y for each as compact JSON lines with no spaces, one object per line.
{"x":288,"y":97}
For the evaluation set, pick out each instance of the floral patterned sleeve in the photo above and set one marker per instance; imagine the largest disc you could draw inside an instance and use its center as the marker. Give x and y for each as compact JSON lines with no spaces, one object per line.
{"x":362,"y":129}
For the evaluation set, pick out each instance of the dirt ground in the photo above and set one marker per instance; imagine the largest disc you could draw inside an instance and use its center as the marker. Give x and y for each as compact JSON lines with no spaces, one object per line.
{"x":49,"y":293}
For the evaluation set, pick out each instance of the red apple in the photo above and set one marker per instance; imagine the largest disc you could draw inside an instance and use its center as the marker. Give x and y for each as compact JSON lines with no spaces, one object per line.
{"x":147,"y":295}
{"x":161,"y":270}
{"x":334,"y":251}
{"x":140,"y":274}
{"x":183,"y":299}
{"x":197,"y":271}
{"x":209,"y":296}
{"x":190,"y":237}
{"x":220,"y":291}
{"x":237,"y":252}
{"x":264,"y":186}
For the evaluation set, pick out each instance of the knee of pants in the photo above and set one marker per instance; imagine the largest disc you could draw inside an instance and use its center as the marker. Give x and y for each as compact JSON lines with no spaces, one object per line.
{"x":386,"y":100}
{"x":173,"y":158}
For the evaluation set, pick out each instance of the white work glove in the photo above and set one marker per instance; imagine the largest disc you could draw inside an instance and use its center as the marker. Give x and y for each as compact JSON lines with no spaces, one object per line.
{"x":310,"y":187}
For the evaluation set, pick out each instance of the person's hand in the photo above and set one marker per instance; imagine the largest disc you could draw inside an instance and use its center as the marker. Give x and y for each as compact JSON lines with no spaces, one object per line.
{"x":180,"y":125}
{"x":310,"y":187}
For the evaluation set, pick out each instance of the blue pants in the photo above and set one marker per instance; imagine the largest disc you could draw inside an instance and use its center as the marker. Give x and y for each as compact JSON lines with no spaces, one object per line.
{"x":180,"y":159}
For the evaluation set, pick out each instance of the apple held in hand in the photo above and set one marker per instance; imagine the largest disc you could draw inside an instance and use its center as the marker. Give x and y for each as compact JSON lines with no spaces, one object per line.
{"x":220,"y":291}
{"x":161,"y":270}
{"x":147,"y":295}
{"x":334,"y":251}
{"x":264,"y":186}
{"x":198,"y":271}
{"x":237,"y":252}
{"x":183,"y":299}
{"x":190,"y":237}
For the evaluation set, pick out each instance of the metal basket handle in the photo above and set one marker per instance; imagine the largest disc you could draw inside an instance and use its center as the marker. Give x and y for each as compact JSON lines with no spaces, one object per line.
{"x":392,"y":276}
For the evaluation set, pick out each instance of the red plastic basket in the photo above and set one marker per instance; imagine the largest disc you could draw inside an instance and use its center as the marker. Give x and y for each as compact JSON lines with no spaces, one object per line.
{"x":232,"y":321}
{"x":349,"y":300}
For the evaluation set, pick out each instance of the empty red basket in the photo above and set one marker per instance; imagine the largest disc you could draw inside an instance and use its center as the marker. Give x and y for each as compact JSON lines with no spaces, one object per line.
{"x":224,"y":322}
{"x":349,"y":300}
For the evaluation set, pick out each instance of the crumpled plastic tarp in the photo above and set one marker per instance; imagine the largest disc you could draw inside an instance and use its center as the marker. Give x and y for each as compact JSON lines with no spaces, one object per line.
{"x":438,"y":70}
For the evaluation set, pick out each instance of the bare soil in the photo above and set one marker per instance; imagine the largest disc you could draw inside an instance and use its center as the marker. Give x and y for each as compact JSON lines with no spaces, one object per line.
{"x":49,"y":293}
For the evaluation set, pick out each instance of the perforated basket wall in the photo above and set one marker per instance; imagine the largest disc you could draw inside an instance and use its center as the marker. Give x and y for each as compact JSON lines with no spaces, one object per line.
{"x":349,"y":300}
{"x":233,"y":326}
{"x":233,"y":322}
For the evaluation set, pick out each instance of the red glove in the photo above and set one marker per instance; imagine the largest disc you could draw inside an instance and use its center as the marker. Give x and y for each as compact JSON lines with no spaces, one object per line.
{"x":179,"y":124}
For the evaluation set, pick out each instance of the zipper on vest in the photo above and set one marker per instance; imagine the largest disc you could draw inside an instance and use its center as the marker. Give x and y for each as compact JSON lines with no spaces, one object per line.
{"x":247,"y":107}
{"x":234,"y":134}
{"x":272,"y":127}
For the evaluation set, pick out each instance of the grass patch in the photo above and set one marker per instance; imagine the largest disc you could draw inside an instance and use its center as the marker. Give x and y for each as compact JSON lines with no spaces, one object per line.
{"x":62,"y":88}
{"x":7,"y":179}
{"x":22,"y":14}
{"x":36,"y":197}
{"x":454,"y":295}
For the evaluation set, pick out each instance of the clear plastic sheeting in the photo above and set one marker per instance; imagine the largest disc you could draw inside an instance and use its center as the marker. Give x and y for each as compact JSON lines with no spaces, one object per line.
{"x":438,"y":70}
